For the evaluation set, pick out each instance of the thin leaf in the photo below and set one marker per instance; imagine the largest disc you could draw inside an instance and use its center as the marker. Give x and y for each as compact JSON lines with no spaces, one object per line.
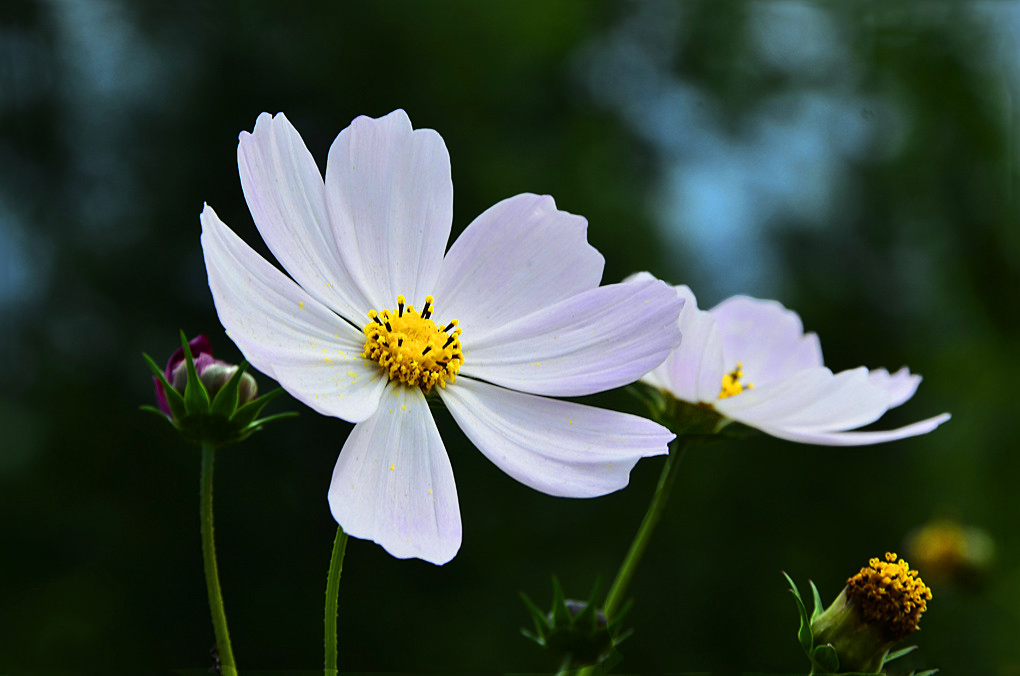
{"x":173,"y":398}
{"x":804,"y":631}
{"x":195,"y":396}
{"x":896,"y":654}
{"x":818,"y":601}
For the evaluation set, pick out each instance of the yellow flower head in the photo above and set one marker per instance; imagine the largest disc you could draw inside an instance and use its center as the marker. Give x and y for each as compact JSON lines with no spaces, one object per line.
{"x":889,"y":594}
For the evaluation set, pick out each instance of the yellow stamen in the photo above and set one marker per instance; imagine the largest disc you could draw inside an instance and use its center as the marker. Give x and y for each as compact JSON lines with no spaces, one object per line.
{"x":411,"y":348}
{"x":889,"y":594}
{"x":731,"y":384}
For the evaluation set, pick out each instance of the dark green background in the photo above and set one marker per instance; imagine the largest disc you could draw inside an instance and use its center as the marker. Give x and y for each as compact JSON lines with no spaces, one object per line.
{"x":858,"y":163}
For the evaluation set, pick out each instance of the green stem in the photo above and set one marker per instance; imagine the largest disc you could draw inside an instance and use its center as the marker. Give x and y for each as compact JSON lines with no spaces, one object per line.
{"x":614,"y":598}
{"x":212,"y":576}
{"x":336,"y":566}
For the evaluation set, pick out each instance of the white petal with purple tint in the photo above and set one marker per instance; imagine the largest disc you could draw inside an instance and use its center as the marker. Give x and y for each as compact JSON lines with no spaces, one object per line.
{"x":766,"y":338}
{"x":393,"y":483}
{"x":557,"y":447}
{"x":900,"y":385}
{"x":517,"y":257}
{"x":591,"y":342}
{"x":285,"y":193}
{"x":389,"y":191}
{"x":286,"y":333}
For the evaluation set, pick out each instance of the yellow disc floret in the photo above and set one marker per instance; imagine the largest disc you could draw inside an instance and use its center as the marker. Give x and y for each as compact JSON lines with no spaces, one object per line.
{"x":731,"y":384}
{"x":888,"y":593}
{"x":411,"y":348}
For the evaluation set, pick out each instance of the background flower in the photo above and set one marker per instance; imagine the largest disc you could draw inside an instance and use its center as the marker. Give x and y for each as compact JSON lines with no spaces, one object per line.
{"x":752,"y":362}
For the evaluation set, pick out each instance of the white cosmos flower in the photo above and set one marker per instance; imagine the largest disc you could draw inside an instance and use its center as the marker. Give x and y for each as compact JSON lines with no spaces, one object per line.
{"x":374,"y":315}
{"x":752,"y":362}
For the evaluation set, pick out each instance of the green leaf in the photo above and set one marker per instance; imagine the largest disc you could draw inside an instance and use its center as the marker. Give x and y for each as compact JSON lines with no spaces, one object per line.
{"x":538,"y":616}
{"x":225,"y":401}
{"x":818,"y":601}
{"x":804,"y":631}
{"x":896,"y":654}
{"x":561,"y":617}
{"x":195,"y":396}
{"x":826,"y":658}
{"x":247,"y":413}
{"x":173,"y":397}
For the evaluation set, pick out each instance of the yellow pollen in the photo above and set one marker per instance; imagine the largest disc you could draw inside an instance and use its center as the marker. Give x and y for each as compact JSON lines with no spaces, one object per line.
{"x":889,"y":594}
{"x":411,"y":348}
{"x":731,"y":384}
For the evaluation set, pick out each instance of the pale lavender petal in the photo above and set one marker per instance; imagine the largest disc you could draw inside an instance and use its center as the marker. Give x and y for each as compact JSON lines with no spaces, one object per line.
{"x":285,"y":193}
{"x":594,"y":341}
{"x":390,"y":197}
{"x":557,"y":447}
{"x":519,"y":256}
{"x":810,"y":400}
{"x":393,"y":483}
{"x":857,"y":438}
{"x":284,"y":332}
{"x":900,"y":385}
{"x":766,"y":338}
{"x":693,"y":372}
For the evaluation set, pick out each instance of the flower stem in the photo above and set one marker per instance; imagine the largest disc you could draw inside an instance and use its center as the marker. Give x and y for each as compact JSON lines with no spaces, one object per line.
{"x":212,"y":576}
{"x":336,"y":565}
{"x":677,"y":448}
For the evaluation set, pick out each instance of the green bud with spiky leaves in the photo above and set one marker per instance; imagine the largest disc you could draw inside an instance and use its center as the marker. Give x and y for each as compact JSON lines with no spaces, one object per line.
{"x":208,"y":400}
{"x":576,"y":633}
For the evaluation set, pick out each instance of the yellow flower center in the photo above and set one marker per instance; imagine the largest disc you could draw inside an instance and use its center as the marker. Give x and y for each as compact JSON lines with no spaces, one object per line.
{"x":889,"y":594}
{"x":411,"y":348}
{"x":731,"y":384}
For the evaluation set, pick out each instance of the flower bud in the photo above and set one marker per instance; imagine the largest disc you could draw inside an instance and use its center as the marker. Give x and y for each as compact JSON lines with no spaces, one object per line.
{"x":220,"y":407}
{"x":880,"y":606}
{"x":576,"y":633}
{"x":214,"y":374}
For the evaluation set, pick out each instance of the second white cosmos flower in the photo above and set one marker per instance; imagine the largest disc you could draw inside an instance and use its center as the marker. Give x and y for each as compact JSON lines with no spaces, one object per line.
{"x":750,"y":360}
{"x":374,"y":316}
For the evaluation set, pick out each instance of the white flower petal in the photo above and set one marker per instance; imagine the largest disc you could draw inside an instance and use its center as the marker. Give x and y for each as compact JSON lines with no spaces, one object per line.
{"x":389,"y":192}
{"x":393,"y":483}
{"x":900,"y":385}
{"x":284,"y":332}
{"x":766,"y":338}
{"x":519,"y":256}
{"x":810,"y":400}
{"x":597,"y":340}
{"x":285,"y":193}
{"x":693,"y":372}
{"x":858,"y":438}
{"x":557,"y":447}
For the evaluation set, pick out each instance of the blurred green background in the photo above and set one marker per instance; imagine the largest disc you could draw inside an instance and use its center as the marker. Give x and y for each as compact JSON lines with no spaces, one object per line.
{"x":857,"y":161}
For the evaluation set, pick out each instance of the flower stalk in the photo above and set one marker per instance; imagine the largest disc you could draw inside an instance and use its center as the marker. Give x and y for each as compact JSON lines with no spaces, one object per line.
{"x":614,"y":598}
{"x":336,"y":564}
{"x":212,"y":576}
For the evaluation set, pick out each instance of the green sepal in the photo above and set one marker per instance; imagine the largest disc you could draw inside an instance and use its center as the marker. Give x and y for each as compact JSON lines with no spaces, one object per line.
{"x":225,"y":401}
{"x":929,"y":672}
{"x":896,"y":654}
{"x":818,"y":601}
{"x":246,"y":415}
{"x":576,"y":633}
{"x":804,"y":631}
{"x":173,"y":398}
{"x":195,"y":396}
{"x":826,"y":659}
